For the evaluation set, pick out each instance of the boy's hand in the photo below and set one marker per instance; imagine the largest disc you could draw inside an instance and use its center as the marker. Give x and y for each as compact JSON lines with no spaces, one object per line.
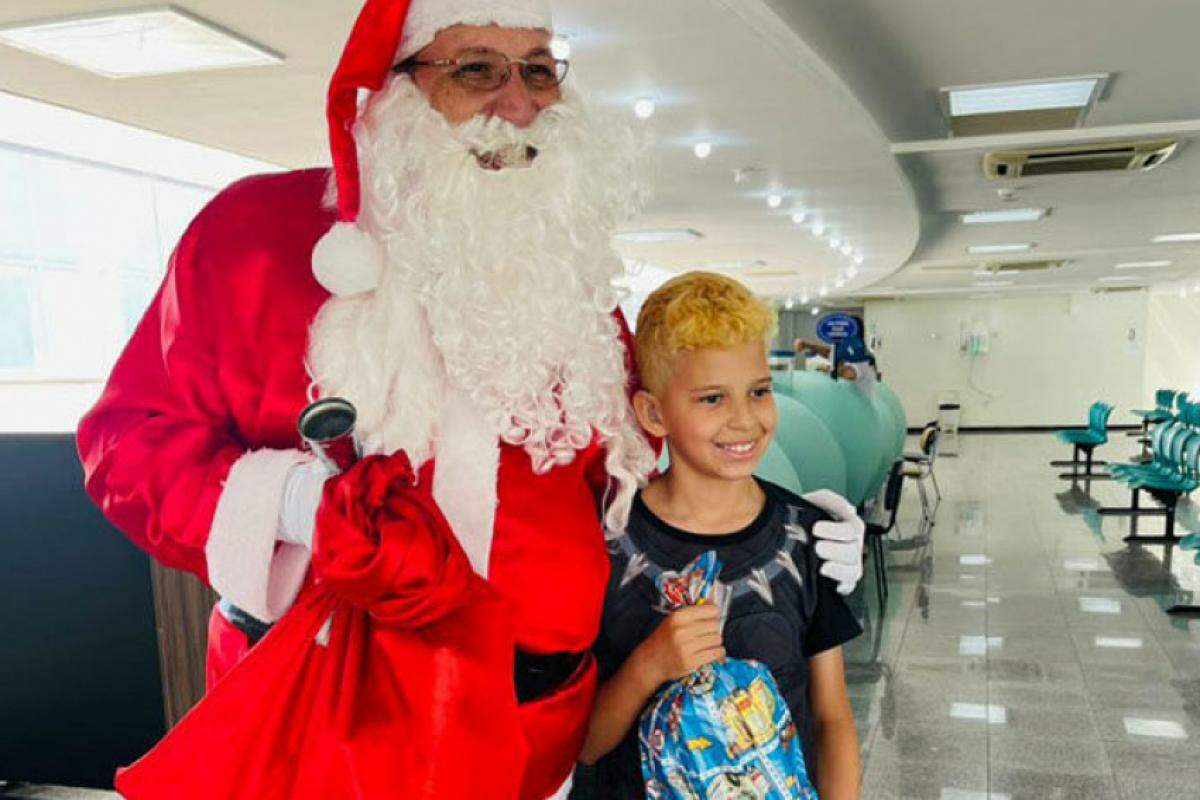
{"x":686,"y":639}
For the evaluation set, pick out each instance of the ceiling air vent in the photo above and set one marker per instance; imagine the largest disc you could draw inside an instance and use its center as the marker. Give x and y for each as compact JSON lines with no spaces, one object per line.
{"x":1108,"y":157}
{"x":1000,"y":268}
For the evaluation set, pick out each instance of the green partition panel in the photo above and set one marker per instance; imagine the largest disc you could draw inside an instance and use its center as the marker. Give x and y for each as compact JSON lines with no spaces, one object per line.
{"x":811,"y":447}
{"x":885,"y":393}
{"x":852,"y":420}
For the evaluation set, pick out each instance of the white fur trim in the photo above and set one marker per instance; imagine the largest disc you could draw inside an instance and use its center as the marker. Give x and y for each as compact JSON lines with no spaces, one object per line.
{"x":347,"y":260}
{"x":244,"y":564}
{"x":466,"y":464}
{"x":563,"y":792}
{"x":427,"y":17}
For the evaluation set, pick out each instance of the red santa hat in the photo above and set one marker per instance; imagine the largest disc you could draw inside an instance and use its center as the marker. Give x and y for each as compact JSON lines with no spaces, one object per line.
{"x":347,"y":261}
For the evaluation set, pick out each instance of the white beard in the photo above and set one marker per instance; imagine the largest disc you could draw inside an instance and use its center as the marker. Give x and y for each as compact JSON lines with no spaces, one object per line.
{"x":497,"y":285}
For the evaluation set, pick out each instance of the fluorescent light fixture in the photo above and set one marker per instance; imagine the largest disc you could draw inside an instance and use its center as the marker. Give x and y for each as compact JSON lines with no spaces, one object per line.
{"x":1119,"y":642}
{"x":973,"y":560}
{"x":125,"y":44}
{"x":1117,"y":278}
{"x":1169,"y":238}
{"x":987,"y":273}
{"x":644,"y":108}
{"x":1004,"y":215}
{"x":973,"y":604}
{"x":1144,"y":264}
{"x":1158,"y":728}
{"x":998,"y":98}
{"x":660,"y":235}
{"x":994,"y":284}
{"x":978,"y":645}
{"x":986,"y":249}
{"x":702,"y":149}
{"x":1084,"y":565}
{"x":995,"y":715}
{"x":1099,"y":605}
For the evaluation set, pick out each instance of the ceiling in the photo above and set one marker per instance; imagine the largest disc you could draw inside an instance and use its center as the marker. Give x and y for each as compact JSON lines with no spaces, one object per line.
{"x":832,"y":105}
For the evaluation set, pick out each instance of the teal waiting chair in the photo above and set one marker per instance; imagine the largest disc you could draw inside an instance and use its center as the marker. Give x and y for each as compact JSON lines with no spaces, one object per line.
{"x":1086,"y":441}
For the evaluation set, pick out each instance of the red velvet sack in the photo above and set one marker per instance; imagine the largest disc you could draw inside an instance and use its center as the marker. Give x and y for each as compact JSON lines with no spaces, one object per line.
{"x":411,"y":696}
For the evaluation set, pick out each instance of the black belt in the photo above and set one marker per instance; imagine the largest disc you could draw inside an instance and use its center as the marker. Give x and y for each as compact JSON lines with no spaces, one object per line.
{"x":534,"y":676}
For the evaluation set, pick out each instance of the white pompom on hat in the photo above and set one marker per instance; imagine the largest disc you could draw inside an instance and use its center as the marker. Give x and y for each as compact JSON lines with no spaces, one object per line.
{"x":348,"y":260}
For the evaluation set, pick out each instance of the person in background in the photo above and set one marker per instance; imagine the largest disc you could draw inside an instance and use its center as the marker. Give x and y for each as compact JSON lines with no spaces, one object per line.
{"x":701,"y":348}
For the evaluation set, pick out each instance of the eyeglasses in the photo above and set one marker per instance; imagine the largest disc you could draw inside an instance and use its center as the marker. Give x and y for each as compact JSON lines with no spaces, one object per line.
{"x":488,"y":70}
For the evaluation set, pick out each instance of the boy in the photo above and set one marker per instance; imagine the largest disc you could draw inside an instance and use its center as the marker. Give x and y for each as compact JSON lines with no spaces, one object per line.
{"x":701,"y":348}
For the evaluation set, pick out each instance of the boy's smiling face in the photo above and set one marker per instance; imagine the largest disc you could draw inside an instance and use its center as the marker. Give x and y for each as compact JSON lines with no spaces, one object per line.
{"x":717,"y":411}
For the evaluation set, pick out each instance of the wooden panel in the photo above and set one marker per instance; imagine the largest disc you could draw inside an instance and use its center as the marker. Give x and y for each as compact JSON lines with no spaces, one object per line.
{"x":182,"y":605}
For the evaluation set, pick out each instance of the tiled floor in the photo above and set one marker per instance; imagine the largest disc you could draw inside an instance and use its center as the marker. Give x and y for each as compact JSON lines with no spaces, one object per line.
{"x":1025,"y":653}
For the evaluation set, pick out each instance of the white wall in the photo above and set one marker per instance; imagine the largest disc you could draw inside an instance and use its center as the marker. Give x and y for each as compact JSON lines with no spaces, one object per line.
{"x":1173,"y":345}
{"x":1049,"y":357}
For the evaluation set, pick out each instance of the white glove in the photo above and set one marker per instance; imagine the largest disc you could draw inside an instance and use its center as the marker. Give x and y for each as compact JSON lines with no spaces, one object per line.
{"x":301,"y":496}
{"x":841,"y":545}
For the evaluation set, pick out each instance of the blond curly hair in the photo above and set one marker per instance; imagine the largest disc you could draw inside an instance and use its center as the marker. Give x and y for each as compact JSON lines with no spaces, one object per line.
{"x":696,"y":311}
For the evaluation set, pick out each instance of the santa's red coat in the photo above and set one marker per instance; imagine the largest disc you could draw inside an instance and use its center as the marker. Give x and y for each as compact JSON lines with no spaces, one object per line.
{"x":190,"y":444}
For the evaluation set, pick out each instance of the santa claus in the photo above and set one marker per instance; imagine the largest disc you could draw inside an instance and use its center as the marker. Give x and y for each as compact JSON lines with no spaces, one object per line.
{"x":452,"y":277}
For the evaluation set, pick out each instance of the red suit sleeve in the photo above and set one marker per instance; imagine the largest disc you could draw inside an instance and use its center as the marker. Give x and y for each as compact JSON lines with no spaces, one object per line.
{"x":159,"y":443}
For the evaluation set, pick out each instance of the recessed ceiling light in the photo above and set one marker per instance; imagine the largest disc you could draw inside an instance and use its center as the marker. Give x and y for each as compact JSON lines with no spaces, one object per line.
{"x":774,"y":200}
{"x":839,"y":283}
{"x":984,"y":249}
{"x":824,"y":290}
{"x":847,"y":249}
{"x":858,"y":259}
{"x":660,"y":235}
{"x":643,"y":108}
{"x":125,"y":44}
{"x":999,"y":98}
{"x":851,"y":272}
{"x":1144,"y":264}
{"x":818,"y":228}
{"x":1004,"y":215}
{"x":702,"y":149}
{"x":804,"y":299}
{"x":815,"y":310}
{"x":1117,"y":278}
{"x":1168,"y":238}
{"x":789,"y":303}
{"x":835,"y":243}
{"x":798,"y":217}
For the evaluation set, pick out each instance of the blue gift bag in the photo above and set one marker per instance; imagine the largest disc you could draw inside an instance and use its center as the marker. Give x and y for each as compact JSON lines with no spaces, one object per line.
{"x":724,"y":732}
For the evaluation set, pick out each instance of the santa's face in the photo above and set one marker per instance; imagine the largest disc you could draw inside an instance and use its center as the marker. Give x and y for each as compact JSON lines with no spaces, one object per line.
{"x":452,"y":93}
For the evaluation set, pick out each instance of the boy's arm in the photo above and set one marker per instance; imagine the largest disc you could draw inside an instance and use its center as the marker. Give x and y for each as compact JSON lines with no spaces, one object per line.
{"x":618,"y":702}
{"x":838,"y":766}
{"x":685,"y":640}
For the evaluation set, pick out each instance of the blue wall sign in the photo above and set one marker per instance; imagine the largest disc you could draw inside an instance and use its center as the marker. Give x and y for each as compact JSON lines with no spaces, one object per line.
{"x":833,"y":328}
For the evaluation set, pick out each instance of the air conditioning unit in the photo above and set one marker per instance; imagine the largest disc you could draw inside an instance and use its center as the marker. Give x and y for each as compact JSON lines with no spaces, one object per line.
{"x":1106,"y":157}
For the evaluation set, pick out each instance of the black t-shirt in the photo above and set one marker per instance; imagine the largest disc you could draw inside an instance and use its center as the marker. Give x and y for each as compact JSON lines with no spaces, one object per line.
{"x":803,"y":616}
